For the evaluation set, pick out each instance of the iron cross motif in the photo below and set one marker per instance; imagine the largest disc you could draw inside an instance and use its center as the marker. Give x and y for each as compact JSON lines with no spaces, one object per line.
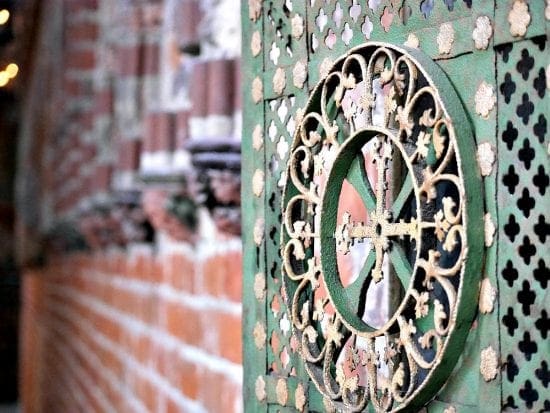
{"x":380,"y":227}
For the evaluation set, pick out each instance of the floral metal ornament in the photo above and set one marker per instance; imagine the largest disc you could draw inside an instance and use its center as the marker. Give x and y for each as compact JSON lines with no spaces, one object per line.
{"x":445,"y":38}
{"x":279,"y":81}
{"x":300,"y":398}
{"x":259,"y":336}
{"x":486,"y":157}
{"x":258,"y":138}
{"x":412,"y":41}
{"x":258,"y":232}
{"x":490,"y":229}
{"x":482,"y":32}
{"x":299,"y":74}
{"x":260,"y":389}
{"x":489,"y":364}
{"x":281,"y":390}
{"x":257,"y":90}
{"x":379,"y":123}
{"x":259,"y":286}
{"x":519,"y":18}
{"x":256,"y":43}
{"x":487,"y":296}
{"x":485,"y":99}
{"x":297,"y":26}
{"x":258,"y":182}
{"x":254,"y":9}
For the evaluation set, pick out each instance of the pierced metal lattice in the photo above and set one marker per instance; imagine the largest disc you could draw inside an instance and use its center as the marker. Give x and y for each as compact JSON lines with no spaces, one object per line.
{"x":523,"y":198}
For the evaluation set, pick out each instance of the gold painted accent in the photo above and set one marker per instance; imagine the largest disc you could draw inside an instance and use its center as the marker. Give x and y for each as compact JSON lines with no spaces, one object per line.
{"x":299,"y":74}
{"x":259,"y":335}
{"x":490,"y":229}
{"x":489,"y":364}
{"x":258,"y":182}
{"x":412,"y":41}
{"x":297,"y":26}
{"x":259,"y":286}
{"x":445,"y":38}
{"x":279,"y":81}
{"x":450,"y":409}
{"x":487,"y":296}
{"x":260,"y":389}
{"x":257,"y":90}
{"x":256,"y":43}
{"x":300,"y":397}
{"x":519,"y":18}
{"x":254,"y":9}
{"x":486,"y":158}
{"x":282,"y":392}
{"x":482,"y":32}
{"x":485,"y":99}
{"x":258,"y":138}
{"x":259,"y":231}
{"x":325,"y":67}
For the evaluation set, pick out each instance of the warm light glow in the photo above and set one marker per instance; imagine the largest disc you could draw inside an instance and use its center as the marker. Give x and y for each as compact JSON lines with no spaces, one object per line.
{"x":4,"y":16}
{"x":4,"y":78}
{"x":12,"y":69}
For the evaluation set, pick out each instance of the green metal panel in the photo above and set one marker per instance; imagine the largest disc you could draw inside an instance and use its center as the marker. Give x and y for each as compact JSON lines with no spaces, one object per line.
{"x":287,"y":46}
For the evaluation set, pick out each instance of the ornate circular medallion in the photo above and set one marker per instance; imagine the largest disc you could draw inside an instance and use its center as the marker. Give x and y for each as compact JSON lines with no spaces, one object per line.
{"x":382,"y":235}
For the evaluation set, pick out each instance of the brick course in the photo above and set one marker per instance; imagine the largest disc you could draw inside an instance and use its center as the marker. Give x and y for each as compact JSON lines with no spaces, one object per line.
{"x":127,"y":333}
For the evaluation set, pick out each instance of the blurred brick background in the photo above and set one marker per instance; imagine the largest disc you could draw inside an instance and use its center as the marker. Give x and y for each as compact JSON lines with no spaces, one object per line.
{"x":127,"y":197}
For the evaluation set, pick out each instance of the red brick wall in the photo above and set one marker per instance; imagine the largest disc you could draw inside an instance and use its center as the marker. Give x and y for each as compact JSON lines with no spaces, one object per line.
{"x":134,"y":332}
{"x":131,"y":325}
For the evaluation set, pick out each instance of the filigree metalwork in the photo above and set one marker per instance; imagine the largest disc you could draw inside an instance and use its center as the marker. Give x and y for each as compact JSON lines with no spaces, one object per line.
{"x":377,"y":122}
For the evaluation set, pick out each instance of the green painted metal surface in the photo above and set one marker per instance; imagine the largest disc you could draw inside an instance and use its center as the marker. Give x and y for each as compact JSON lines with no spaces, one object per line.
{"x":516,"y":328}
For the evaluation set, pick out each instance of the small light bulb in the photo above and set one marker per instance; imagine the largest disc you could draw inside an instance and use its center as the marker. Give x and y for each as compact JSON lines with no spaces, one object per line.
{"x":12,"y":69}
{"x":4,"y":16}
{"x":4,"y":78}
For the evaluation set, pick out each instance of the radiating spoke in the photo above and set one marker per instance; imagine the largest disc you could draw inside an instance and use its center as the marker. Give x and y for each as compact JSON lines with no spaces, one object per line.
{"x":400,"y":264}
{"x":356,"y":288}
{"x":357,"y":177}
{"x":401,"y":199}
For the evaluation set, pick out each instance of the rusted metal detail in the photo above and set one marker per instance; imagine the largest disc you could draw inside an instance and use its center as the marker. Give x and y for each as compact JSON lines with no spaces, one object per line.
{"x":344,"y":123}
{"x":489,"y":364}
